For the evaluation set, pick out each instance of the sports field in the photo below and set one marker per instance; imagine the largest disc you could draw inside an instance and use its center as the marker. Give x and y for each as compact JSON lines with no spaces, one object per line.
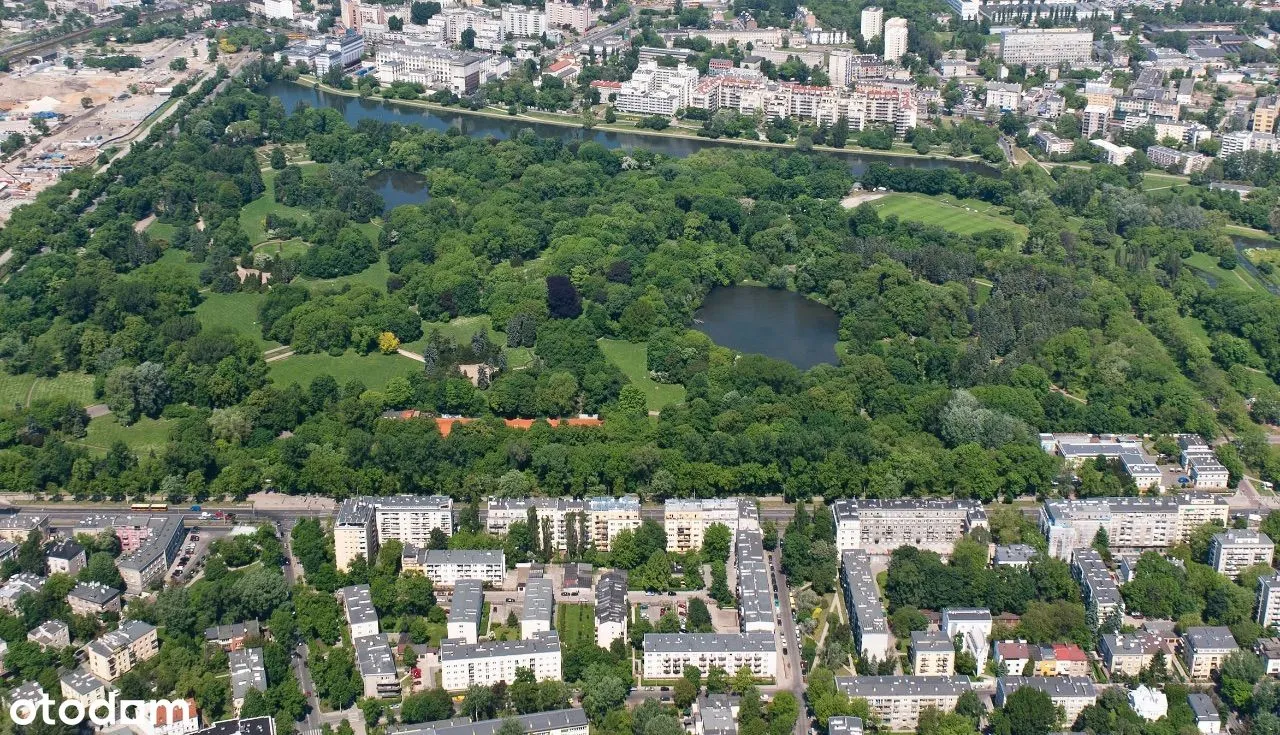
{"x":961,"y":216}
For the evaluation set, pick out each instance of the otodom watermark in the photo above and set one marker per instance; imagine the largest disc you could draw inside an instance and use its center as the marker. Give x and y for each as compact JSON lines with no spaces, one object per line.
{"x":101,"y":712}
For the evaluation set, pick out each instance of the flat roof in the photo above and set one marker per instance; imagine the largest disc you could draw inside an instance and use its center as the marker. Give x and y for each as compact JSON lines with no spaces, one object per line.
{"x":611,"y":597}
{"x":1014,"y":554}
{"x":902,"y":686}
{"x":1210,"y":638}
{"x":863,"y":592}
{"x":931,"y":641}
{"x":452,"y":649}
{"x":82,"y":682}
{"x":373,"y":656}
{"x":539,"y":600}
{"x":247,"y":671}
{"x":475,"y":557}
{"x":758,"y":642}
{"x":95,"y":592}
{"x":561,"y":719}
{"x":468,"y":602}
{"x":357,"y":601}
{"x":626,"y":502}
{"x":1054,"y":686}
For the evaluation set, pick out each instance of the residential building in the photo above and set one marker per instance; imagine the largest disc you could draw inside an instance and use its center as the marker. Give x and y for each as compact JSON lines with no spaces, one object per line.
{"x":1046,"y":47}
{"x":263,"y":725}
{"x":1185,"y":162}
{"x":895,"y":39}
{"x":539,"y":607}
{"x":1014,"y":555}
{"x":93,"y":598}
{"x":181,"y":717}
{"x":357,"y":606}
{"x":1101,"y":593}
{"x":460,"y":72}
{"x":1060,"y":659}
{"x":578,"y":577}
{"x":755,"y":596}
{"x":354,"y":14}
{"x":1148,"y":703}
{"x":1072,"y":693}
{"x":1268,"y":604}
{"x":522,"y":21}
{"x":610,"y":516}
{"x":65,"y":557}
{"x":22,"y":583}
{"x":1052,"y":144}
{"x":1246,"y":140}
{"x":1004,"y":97}
{"x":27,"y":691}
{"x":1147,"y":522}
{"x":843,"y":725}
{"x":572,"y":721}
{"x":466,"y":610}
{"x":247,"y":672}
{"x":1268,"y":649}
{"x":872,"y":22}
{"x":1204,"y":649}
{"x":410,"y":519}
{"x":667,"y":654}
{"x":444,"y":567}
{"x":686,"y":520}
{"x":51,"y":634}
{"x":1013,"y":656}
{"x":83,"y":687}
{"x":1208,"y":721}
{"x":862,"y":600}
{"x":1237,"y":549}
{"x":148,"y":545}
{"x":715,"y":714}
{"x":878,"y":526}
{"x":973,"y":626}
{"x":1205,"y":471}
{"x":897,"y":701}
{"x":232,"y":637}
{"x":612,"y":610}
{"x":489,"y":662}
{"x":1094,"y":119}
{"x":967,"y":9}
{"x":932,"y":653}
{"x":377,"y":666}
{"x":282,"y":9}
{"x":563,"y":514}
{"x":15,"y":528}
{"x":354,"y":533}
{"x":1129,"y":653}
{"x":657,"y":90}
{"x":561,"y":14}
{"x":1116,"y":155}
{"x":1265,"y":112}
{"x":114,"y":654}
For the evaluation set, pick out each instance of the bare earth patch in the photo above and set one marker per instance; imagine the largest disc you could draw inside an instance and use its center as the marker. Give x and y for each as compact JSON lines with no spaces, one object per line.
{"x":861,"y":197}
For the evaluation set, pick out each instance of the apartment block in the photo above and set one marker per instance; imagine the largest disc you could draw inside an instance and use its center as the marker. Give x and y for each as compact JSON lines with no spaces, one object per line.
{"x":148,"y":545}
{"x":897,"y":701}
{"x":354,"y":533}
{"x":1205,"y":648}
{"x":686,"y":520}
{"x":1208,"y":721}
{"x":878,"y":526}
{"x":1237,"y":549}
{"x":972,"y":625}
{"x":444,"y":567}
{"x":572,"y":721}
{"x":562,"y":14}
{"x":15,"y":587}
{"x":1014,"y":555}
{"x":895,"y":39}
{"x":524,"y":22}
{"x":1004,"y":97}
{"x":114,"y":654}
{"x":489,"y":662}
{"x":65,"y":557}
{"x":466,"y":610}
{"x":1129,"y":653}
{"x":667,"y":654}
{"x":460,"y":72}
{"x":862,"y":600}
{"x":539,"y":607}
{"x":1268,"y":605}
{"x":51,"y":634}
{"x":872,"y":22}
{"x":562,"y":513}
{"x":357,"y":606}
{"x":83,"y":687}
{"x":1094,"y":120}
{"x":377,"y":666}
{"x":247,"y":672}
{"x":1046,"y":47}
{"x":1072,"y":693}
{"x":612,"y":610}
{"x":1265,"y":112}
{"x":1100,"y":589}
{"x":1185,"y":162}
{"x":610,"y":516}
{"x":15,"y":528}
{"x":93,"y":598}
{"x":657,"y":90}
{"x":1147,"y":522}
{"x":410,"y":519}
{"x":932,"y":653}
{"x":755,"y":596}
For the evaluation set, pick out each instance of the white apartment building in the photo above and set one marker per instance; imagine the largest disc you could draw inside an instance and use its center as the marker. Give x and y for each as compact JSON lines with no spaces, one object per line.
{"x":1046,"y":47}
{"x":869,"y":104}
{"x":562,"y":512}
{"x":897,"y":701}
{"x":460,"y":72}
{"x":539,"y":607}
{"x":973,"y":626}
{"x":1205,"y":648}
{"x":1236,"y":549}
{"x":466,"y":610}
{"x":1072,"y":693}
{"x":1208,"y":721}
{"x":1052,"y":144}
{"x":487,"y":663}
{"x":568,"y":15}
{"x":895,"y":39}
{"x":522,"y":21}
{"x":65,"y":557}
{"x":377,"y":666}
{"x":1101,"y":593}
{"x":1247,"y":140}
{"x":862,"y":600}
{"x":1094,"y":119}
{"x":1149,"y":703}
{"x":657,"y":90}
{"x":444,"y":567}
{"x":1268,"y":605}
{"x":1116,"y":155}
{"x":357,"y":606}
{"x":612,"y":610}
{"x":1148,"y":522}
{"x":755,"y":595}
{"x":572,"y":721}
{"x":666,"y":654}
{"x":114,"y":654}
{"x":1187,"y":162}
{"x":278,"y":9}
{"x":966,"y":9}
{"x":872,"y":22}
{"x":1129,"y":653}
{"x":410,"y":519}
{"x":932,"y":653}
{"x":686,"y":520}
{"x":1004,"y":97}
{"x":878,"y":526}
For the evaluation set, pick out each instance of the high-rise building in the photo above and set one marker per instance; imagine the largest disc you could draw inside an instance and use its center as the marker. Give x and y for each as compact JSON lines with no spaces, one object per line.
{"x":365,"y":523}
{"x":895,"y":39}
{"x":1046,"y":46}
{"x":1268,"y":600}
{"x":1238,"y":548}
{"x":872,"y":22}
{"x":278,"y":9}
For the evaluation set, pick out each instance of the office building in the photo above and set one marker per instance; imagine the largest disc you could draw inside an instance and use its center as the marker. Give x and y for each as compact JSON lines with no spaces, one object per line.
{"x":571,"y":721}
{"x":466,"y":610}
{"x":610,"y":516}
{"x":872,"y":22}
{"x":612,"y":610}
{"x":444,"y":567}
{"x":1148,"y":522}
{"x":65,"y":557}
{"x":1046,"y":47}
{"x":895,"y":39}
{"x":1205,"y":648}
{"x":460,"y":72}
{"x":667,"y":654}
{"x":1100,"y":589}
{"x":1237,"y":549}
{"x":247,"y":672}
{"x":563,"y":515}
{"x":93,"y":598}
{"x":148,"y":545}
{"x":539,"y":607}
{"x":357,"y":606}
{"x":51,"y":634}
{"x":489,"y":662}
{"x":114,"y":654}
{"x":83,"y":687}
{"x":972,"y":625}
{"x":932,"y":653}
{"x":878,"y":526}
{"x":561,"y":14}
{"x":15,"y":528}
{"x":377,"y":666}
{"x":686,"y":520}
{"x":1268,"y":604}
{"x":897,"y":701}
{"x":1129,"y":653}
{"x":862,"y":600}
{"x":755,"y":596}
{"x":1071,"y":693}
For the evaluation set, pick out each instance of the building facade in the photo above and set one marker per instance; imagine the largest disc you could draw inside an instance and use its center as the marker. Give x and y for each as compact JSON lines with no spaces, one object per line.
{"x":686,"y":520}
{"x":862,"y":600}
{"x":878,"y":526}
{"x":667,"y":654}
{"x":1237,"y":549}
{"x":487,"y":663}
{"x":1046,"y":47}
{"x":897,"y":701}
{"x":114,"y":654}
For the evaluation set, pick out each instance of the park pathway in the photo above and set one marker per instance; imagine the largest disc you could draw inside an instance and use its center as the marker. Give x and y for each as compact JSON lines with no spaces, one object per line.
{"x":411,"y":355}
{"x":277,"y":353}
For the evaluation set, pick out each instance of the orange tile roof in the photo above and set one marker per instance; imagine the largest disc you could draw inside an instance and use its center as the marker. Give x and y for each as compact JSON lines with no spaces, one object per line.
{"x":1068,"y":652}
{"x":162,"y":713}
{"x":445,"y":425}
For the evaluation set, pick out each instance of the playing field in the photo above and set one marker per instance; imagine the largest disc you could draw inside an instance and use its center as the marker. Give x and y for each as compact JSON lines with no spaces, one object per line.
{"x":238,"y":311}
{"x":633,"y":360}
{"x":374,"y":370}
{"x":576,"y":623}
{"x":961,"y":216}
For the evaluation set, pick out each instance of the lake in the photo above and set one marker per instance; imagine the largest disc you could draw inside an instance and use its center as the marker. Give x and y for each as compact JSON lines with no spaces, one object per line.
{"x":399,"y":188}
{"x":354,"y":110}
{"x":781,"y":324}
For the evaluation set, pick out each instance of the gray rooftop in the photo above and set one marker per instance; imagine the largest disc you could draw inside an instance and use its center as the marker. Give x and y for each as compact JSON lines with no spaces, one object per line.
{"x":844,"y":726}
{"x":626,"y":502}
{"x":558,"y":505}
{"x":931,"y":641}
{"x":410,"y":502}
{"x":30,"y":690}
{"x":850,"y":509}
{"x":95,"y":592}
{"x":128,"y":632}
{"x":1242,"y":537}
{"x":373,"y":656}
{"x":1210,"y":638}
{"x":247,"y":671}
{"x":464,"y":556}
{"x":1055,"y":686}
{"x":354,"y":512}
{"x":1202,"y":707}
{"x":716,"y":713}
{"x":611,"y":597}
{"x":577,"y":576}
{"x":863,"y":593}
{"x":358,"y":603}
{"x":539,"y":600}
{"x":232,"y":631}
{"x":165,"y":534}
{"x":468,"y":602}
{"x":867,"y":687}
{"x":561,"y":719}
{"x":755,"y":598}
{"x":23,"y":521}
{"x":1100,"y":587}
{"x":695,"y":642}
{"x":1014,"y":554}
{"x":65,"y":549}
{"x":82,"y":682}
{"x":453,"y":649}
{"x":47,"y":631}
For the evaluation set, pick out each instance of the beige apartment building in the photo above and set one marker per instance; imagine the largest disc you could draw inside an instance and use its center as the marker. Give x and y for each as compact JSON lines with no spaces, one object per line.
{"x":1146,"y":522}
{"x":686,"y":520}
{"x":878,"y":526}
{"x":897,"y":701}
{"x":1205,"y":648}
{"x":113,"y":655}
{"x":932,"y":653}
{"x":1238,"y":549}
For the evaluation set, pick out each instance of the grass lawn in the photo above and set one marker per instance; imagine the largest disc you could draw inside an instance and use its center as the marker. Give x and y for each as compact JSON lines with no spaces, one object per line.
{"x":162,"y":231}
{"x":174,"y":256}
{"x":20,"y":390}
{"x":14,"y":389}
{"x":1237,"y":276}
{"x":633,"y":360}
{"x":576,"y":623}
{"x":144,"y":437}
{"x":1248,"y":232}
{"x":503,"y":633}
{"x":253,"y":216}
{"x":375,"y":275}
{"x":374,"y":370}
{"x":285,"y":248}
{"x":239,"y":311}
{"x":459,"y":331}
{"x":961,"y":216}
{"x":1155,"y":180}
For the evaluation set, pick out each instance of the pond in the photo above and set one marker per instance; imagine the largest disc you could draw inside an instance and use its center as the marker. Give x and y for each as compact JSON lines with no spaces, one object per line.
{"x":399,"y":188}
{"x":780,"y":324}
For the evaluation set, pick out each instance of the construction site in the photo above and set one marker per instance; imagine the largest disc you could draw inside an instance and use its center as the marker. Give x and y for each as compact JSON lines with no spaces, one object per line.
{"x":84,"y":110}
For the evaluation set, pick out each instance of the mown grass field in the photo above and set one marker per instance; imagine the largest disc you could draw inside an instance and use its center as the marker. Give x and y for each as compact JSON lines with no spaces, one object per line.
{"x":174,"y":256}
{"x":1237,"y":276}
{"x":253,"y":216}
{"x":576,"y":623}
{"x":374,"y":370}
{"x":961,"y":216}
{"x":237,"y":311}
{"x":143,"y":437}
{"x":375,"y":275}
{"x":460,"y":330}
{"x":282,"y":249}
{"x":21,"y":390}
{"x":633,"y":360}
{"x":161,"y":231}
